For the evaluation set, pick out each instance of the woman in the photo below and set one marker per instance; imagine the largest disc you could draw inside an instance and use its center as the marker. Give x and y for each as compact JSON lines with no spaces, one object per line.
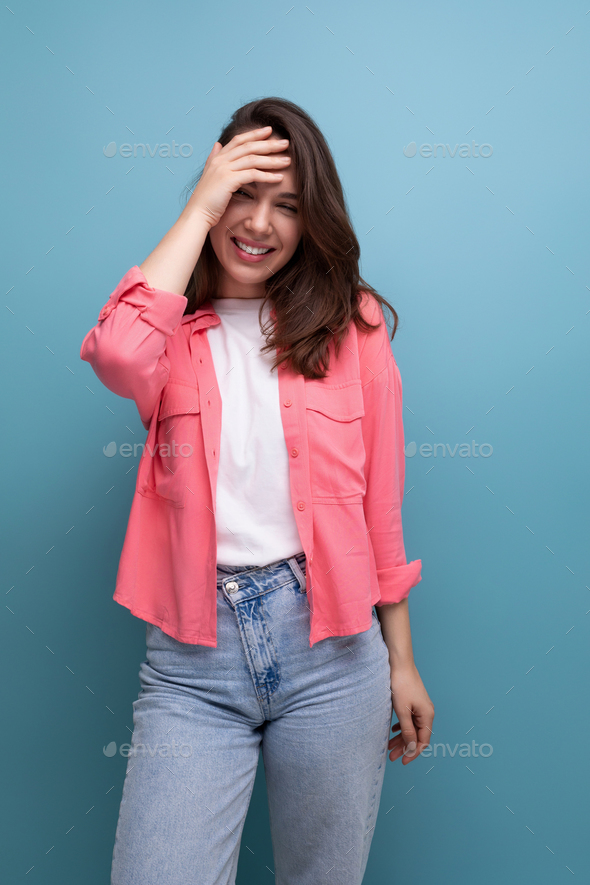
{"x":264,"y":547}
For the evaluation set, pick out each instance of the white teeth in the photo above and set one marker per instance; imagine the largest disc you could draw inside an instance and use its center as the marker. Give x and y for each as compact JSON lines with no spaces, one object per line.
{"x":250,"y":249}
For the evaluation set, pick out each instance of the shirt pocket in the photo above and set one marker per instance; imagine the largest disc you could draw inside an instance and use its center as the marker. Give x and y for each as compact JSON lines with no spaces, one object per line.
{"x":335,"y":438}
{"x":170,"y":445}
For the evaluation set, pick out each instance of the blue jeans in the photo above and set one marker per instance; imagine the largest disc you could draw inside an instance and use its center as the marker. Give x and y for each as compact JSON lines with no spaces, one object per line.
{"x":321,"y":715}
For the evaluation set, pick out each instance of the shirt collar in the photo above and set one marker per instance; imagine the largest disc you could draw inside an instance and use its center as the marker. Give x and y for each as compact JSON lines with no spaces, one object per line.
{"x":206,"y":315}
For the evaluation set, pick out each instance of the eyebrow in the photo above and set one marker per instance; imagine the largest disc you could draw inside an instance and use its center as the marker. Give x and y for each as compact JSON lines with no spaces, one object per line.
{"x":285,"y":195}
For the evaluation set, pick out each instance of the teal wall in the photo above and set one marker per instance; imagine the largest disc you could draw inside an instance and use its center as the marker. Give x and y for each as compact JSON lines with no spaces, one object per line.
{"x":486,"y":260}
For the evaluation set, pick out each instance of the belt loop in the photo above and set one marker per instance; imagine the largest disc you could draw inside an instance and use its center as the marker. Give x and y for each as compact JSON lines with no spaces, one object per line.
{"x":297,"y":572}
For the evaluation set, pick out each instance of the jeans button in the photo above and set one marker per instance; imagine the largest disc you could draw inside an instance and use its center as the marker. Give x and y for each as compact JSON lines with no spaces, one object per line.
{"x":231,"y":586}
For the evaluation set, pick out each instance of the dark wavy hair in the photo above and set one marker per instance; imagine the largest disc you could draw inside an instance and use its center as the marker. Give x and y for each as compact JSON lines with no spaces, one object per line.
{"x":317,"y":293}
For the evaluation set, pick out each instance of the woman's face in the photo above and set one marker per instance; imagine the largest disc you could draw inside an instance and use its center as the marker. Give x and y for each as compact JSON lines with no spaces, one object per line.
{"x":261,"y":213}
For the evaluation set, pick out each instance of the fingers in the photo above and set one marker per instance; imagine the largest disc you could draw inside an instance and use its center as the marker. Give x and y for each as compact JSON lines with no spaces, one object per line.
{"x":251,"y":134}
{"x":214,"y":151}
{"x":250,"y":143}
{"x":408,"y":732}
{"x":396,"y":749}
{"x":410,"y":742}
{"x":406,"y":743}
{"x":424,"y":734}
{"x":264,"y":164}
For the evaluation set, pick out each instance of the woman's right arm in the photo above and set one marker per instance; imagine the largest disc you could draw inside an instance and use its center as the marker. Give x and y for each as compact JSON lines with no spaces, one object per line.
{"x":126,"y":348}
{"x":172,"y":262}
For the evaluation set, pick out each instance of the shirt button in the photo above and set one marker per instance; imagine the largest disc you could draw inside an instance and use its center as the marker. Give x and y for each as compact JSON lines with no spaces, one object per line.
{"x":105,"y":311}
{"x":300,"y":505}
{"x":231,"y":586}
{"x":294,"y":452}
{"x":288,"y":403}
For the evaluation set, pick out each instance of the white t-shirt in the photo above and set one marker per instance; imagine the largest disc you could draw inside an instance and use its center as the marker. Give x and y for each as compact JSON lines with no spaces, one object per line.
{"x":255,"y":521}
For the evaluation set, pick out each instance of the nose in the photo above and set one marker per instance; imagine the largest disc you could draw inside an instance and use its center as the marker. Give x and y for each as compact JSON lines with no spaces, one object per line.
{"x":259,"y":221}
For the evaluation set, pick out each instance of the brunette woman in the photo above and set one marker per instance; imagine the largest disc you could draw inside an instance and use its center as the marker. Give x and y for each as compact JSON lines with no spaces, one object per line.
{"x":264,"y":547}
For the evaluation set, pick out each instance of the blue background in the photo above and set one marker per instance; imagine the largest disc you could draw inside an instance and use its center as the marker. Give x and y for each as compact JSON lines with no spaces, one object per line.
{"x":487,"y":263}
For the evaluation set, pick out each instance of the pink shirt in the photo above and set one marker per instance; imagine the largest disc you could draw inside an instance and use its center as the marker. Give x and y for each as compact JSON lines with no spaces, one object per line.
{"x":344,"y":435}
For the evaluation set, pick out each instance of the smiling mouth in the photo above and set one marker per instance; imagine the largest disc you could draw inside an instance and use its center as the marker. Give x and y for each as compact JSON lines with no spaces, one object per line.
{"x":249,"y":250}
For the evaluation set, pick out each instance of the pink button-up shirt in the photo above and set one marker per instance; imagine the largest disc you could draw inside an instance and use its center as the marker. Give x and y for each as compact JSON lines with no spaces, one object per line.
{"x":344,"y":435}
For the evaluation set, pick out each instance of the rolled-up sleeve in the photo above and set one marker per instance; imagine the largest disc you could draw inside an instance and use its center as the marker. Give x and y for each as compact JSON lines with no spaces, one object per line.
{"x":127,"y":346}
{"x":383,"y":436}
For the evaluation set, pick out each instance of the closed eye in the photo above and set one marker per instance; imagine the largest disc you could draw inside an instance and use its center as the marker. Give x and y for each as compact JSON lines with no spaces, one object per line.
{"x":282,"y":206}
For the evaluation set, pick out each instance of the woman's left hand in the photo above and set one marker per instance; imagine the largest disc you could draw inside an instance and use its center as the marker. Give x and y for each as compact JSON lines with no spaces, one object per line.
{"x":415,"y":712}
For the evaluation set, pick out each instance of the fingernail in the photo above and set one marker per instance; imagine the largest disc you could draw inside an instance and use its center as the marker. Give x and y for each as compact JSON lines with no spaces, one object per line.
{"x":410,"y":749}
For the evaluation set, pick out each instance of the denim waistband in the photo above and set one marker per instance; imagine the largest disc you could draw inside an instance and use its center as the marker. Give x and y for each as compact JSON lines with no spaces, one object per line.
{"x":223,"y":570}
